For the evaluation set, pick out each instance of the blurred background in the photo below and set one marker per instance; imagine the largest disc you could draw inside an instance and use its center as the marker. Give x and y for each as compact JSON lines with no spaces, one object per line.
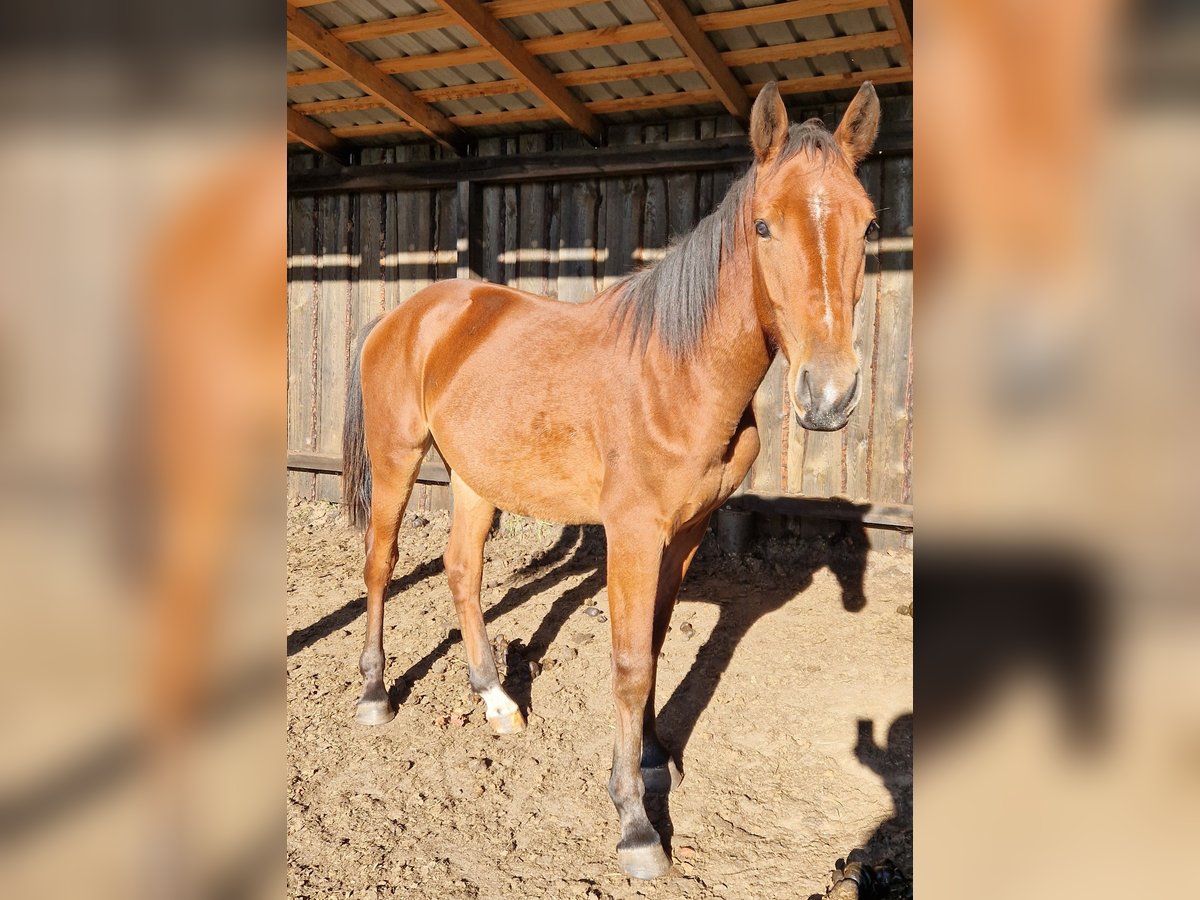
{"x":1058,"y":207}
{"x":141,"y":445}
{"x":142,"y":245}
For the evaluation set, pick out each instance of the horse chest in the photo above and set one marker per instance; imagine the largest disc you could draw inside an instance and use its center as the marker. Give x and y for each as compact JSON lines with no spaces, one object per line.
{"x":721,"y":477}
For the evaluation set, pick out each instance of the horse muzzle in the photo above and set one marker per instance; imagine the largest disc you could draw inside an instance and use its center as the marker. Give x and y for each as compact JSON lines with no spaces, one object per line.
{"x":824,"y":402}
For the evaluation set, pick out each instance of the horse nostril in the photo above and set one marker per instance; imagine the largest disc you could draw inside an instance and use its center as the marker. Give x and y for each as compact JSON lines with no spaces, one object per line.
{"x":842,"y":404}
{"x":846,"y":400}
{"x":804,"y":395}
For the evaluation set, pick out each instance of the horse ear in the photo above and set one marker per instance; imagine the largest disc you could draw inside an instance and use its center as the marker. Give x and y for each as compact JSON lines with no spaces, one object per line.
{"x":860,"y":126}
{"x":768,"y":124}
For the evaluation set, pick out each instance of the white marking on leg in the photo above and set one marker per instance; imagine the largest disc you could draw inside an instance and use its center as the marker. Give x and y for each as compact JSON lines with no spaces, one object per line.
{"x":820,"y":212}
{"x":498,"y":703}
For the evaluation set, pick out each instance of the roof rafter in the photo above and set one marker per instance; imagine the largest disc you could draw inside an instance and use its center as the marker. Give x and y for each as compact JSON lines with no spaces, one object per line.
{"x":691,"y":39}
{"x":650,"y":101}
{"x":487,"y":29}
{"x":605,"y":74}
{"x":590,"y":39}
{"x":499,"y":9}
{"x":315,"y":135}
{"x":507,"y":9}
{"x":395,"y":96}
{"x":904,"y":26}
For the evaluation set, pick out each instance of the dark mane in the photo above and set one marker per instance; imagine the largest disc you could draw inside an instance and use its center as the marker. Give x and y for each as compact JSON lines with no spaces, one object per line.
{"x":674,"y":298}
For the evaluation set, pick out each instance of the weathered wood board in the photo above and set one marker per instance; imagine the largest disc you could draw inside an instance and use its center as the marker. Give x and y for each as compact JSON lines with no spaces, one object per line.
{"x":354,"y":256}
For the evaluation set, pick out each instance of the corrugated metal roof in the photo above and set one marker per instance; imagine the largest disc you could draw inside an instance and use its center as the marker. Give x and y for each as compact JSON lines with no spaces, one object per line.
{"x":518,"y":109}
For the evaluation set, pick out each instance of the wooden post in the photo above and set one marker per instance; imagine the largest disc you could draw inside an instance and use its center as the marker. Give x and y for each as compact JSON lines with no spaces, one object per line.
{"x":469,"y":218}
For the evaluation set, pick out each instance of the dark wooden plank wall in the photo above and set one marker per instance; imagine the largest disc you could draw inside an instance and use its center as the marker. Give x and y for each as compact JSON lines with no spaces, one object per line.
{"x":352,"y":257}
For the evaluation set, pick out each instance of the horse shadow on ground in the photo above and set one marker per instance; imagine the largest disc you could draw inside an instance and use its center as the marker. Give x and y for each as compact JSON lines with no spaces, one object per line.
{"x":751,"y":595}
{"x":992,"y":614}
{"x":581,"y":549}
{"x":352,"y":610}
{"x":574,"y":552}
{"x":742,"y":605}
{"x":745,"y":594}
{"x":887,"y":854}
{"x":543,"y":572}
{"x":745,"y":598}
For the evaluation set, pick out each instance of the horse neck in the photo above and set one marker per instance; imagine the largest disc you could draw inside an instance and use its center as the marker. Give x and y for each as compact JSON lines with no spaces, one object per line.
{"x":735,"y":352}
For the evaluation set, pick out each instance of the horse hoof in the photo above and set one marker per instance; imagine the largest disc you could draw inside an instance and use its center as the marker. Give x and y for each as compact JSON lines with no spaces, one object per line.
{"x":646,"y":862}
{"x":510,"y":723}
{"x":374,"y":712}
{"x":662,"y":779}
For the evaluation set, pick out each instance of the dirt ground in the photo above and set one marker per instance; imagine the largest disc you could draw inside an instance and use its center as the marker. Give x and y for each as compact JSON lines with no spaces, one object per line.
{"x":786,"y":680}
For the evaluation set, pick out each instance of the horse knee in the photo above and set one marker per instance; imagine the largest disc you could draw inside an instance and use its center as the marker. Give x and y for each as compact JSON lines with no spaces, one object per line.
{"x":631,"y":680}
{"x":377,"y":570}
{"x":458,"y":570}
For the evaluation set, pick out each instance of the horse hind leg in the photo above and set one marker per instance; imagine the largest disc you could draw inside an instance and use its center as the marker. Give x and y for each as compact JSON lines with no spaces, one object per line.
{"x":464,"y":569}
{"x":393,"y":475}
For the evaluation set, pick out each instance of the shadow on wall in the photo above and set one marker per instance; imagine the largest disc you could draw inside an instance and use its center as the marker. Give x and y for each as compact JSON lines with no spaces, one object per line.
{"x":563,"y":238}
{"x":588,"y":267}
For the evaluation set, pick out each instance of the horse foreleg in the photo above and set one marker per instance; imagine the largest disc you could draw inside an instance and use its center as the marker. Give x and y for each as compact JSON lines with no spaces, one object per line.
{"x":464,"y":569}
{"x":393,"y":476}
{"x":634,"y":560}
{"x":659,"y":770}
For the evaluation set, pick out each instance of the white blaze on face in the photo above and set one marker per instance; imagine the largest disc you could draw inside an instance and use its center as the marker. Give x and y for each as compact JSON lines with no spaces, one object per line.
{"x":820,"y":213}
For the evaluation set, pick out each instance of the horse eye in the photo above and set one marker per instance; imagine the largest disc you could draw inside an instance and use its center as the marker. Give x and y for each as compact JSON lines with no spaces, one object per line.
{"x":872,"y":230}
{"x":761,"y":227}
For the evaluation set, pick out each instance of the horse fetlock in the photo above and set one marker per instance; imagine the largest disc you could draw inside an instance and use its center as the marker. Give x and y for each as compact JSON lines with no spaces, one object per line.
{"x":503,"y":715}
{"x":370,"y":666}
{"x":627,"y":792}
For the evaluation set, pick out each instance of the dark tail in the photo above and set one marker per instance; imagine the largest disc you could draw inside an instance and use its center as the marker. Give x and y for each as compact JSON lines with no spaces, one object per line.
{"x":356,"y":465}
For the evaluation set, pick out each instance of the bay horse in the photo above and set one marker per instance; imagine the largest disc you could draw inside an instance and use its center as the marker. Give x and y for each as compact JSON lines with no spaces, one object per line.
{"x":631,"y":411}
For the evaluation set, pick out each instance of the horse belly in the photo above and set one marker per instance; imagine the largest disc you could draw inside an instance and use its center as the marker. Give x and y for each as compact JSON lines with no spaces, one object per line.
{"x":548,"y":499}
{"x":530,"y":471}
{"x":527,"y":486}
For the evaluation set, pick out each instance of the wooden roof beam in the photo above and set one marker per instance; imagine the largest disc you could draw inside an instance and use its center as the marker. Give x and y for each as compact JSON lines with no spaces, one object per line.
{"x":904,"y":26}
{"x":609,"y":74}
{"x":704,"y":56}
{"x":410,"y":24}
{"x":395,"y":96}
{"x":788,"y":87}
{"x":315,"y":135}
{"x":487,"y":29}
{"x":590,"y":39}
{"x":507,"y":9}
